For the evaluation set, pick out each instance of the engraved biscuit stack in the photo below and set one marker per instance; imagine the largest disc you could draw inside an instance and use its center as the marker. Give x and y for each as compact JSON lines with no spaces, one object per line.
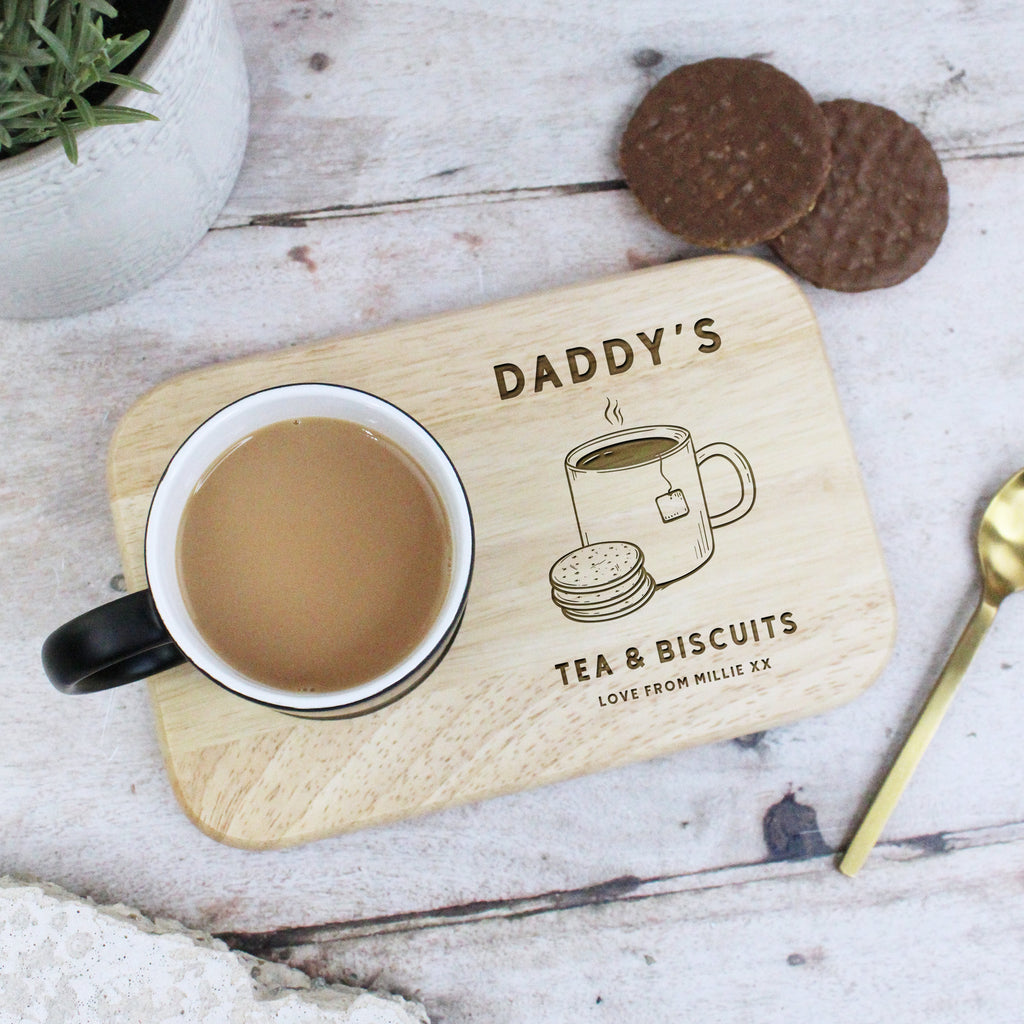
{"x":601,"y":581}
{"x":732,"y":152}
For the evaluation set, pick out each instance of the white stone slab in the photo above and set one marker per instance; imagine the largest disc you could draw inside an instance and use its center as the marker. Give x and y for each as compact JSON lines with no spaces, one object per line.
{"x":67,"y":959}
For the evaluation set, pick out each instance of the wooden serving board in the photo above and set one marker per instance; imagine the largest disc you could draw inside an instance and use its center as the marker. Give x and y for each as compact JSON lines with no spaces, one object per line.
{"x":791,"y":613}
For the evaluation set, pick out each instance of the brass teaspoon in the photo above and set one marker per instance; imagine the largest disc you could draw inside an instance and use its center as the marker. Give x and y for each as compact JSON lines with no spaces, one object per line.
{"x":1001,"y":554}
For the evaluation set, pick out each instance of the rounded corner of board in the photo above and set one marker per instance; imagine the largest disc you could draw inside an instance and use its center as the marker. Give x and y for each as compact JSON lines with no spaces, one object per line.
{"x":225,"y":835}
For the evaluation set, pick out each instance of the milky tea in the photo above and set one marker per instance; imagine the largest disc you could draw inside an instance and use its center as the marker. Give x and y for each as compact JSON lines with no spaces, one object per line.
{"x":314,"y":555}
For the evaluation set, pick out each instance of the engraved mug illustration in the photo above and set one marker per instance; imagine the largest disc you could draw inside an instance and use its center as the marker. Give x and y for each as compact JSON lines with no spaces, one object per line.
{"x":643,"y":484}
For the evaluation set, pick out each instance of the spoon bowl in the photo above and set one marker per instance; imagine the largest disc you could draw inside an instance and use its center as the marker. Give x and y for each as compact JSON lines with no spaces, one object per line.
{"x":1001,"y":540}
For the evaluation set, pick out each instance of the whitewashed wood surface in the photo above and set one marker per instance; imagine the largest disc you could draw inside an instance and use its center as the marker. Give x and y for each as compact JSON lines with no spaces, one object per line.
{"x":411,"y":158}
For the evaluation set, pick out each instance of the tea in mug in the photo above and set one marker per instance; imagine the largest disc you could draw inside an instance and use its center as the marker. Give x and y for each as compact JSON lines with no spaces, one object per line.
{"x":314,"y":555}
{"x":623,"y":454}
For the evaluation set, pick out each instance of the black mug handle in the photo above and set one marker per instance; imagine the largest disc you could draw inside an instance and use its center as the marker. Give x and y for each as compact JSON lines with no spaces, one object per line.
{"x":116,"y":643}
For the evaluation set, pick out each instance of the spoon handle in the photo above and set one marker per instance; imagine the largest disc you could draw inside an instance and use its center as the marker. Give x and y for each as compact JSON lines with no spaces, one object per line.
{"x":920,"y":736}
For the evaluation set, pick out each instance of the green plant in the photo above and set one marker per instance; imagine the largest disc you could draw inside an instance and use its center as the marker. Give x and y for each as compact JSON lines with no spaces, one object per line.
{"x":54,"y":60}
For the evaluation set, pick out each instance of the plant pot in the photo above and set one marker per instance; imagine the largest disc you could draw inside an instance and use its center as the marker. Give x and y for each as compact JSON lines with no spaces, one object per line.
{"x":74,"y":237}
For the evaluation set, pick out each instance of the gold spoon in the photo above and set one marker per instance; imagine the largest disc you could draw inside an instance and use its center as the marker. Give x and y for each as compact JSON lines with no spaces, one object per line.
{"x":1001,"y":554}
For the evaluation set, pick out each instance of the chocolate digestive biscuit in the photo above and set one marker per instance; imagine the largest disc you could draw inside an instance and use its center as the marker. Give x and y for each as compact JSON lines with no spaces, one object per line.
{"x":727,"y":152}
{"x":884,"y":207}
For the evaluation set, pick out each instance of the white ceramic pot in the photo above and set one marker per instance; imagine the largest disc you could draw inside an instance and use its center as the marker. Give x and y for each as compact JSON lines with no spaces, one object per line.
{"x":74,"y":237}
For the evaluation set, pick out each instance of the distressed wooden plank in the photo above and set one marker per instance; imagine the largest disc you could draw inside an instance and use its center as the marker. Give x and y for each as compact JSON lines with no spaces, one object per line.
{"x":374,"y":103}
{"x":296,"y":943}
{"x":934,"y":939}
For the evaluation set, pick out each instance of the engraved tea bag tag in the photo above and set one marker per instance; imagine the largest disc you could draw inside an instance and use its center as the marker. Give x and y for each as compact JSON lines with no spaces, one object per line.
{"x":672,"y":505}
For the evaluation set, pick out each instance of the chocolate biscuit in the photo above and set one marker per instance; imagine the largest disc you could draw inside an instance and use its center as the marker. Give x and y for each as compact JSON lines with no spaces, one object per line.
{"x":884,"y":207}
{"x":726,"y":152}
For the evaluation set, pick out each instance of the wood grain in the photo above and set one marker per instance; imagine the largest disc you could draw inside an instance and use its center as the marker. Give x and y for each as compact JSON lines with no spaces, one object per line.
{"x":813,"y":605}
{"x":814,"y":947}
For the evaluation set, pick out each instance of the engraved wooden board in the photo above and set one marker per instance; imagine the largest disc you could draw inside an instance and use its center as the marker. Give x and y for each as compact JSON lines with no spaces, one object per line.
{"x":784,"y":611}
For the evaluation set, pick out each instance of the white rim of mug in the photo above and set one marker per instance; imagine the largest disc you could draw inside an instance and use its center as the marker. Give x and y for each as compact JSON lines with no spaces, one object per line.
{"x":679,"y":434}
{"x":225,"y":428}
